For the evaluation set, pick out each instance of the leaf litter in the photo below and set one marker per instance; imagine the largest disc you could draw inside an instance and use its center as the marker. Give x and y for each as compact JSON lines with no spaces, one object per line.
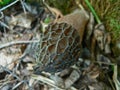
{"x":18,"y":58}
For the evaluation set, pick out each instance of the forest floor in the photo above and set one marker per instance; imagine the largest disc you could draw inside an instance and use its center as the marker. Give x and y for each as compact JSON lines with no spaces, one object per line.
{"x":21,"y":25}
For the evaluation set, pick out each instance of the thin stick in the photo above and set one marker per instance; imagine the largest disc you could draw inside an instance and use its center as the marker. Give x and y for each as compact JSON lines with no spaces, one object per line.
{"x":48,"y":81}
{"x":2,"y":15}
{"x":17,"y":42}
{"x":3,"y":24}
{"x":11,"y":72}
{"x":47,"y":6}
{"x":116,"y":81}
{"x":79,"y":5}
{"x":45,"y":80}
{"x":23,"y":6}
{"x":100,"y":62}
{"x":8,"y":5}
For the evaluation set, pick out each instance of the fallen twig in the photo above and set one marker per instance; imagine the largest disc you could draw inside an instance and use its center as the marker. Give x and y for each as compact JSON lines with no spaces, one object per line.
{"x":17,"y":42}
{"x":8,"y":5}
{"x":1,"y":15}
{"x":13,"y":74}
{"x":48,"y":81}
{"x":23,"y":6}
{"x":3,"y":24}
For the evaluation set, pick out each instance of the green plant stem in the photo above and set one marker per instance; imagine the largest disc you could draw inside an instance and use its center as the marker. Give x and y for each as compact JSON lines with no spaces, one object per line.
{"x":93,"y":11}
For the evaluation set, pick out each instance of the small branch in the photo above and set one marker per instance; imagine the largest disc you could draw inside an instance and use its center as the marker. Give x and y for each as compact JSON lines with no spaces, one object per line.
{"x":2,"y":15}
{"x":17,"y":85}
{"x":8,"y":5}
{"x":3,"y":24}
{"x":99,"y":62}
{"x":23,"y":6}
{"x":79,"y":5}
{"x":47,"y":6}
{"x":17,"y":42}
{"x":48,"y":81}
{"x":45,"y":80}
{"x":13,"y":74}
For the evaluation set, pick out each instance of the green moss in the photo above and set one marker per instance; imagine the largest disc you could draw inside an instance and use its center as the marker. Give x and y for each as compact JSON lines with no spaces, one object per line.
{"x":4,"y":2}
{"x":113,"y":1}
{"x":47,"y":20}
{"x":113,"y":17}
{"x":109,"y":13}
{"x":115,"y":25}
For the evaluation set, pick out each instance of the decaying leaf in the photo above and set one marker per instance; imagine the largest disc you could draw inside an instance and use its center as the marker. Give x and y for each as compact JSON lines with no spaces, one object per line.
{"x":8,"y":60}
{"x":23,"y":20}
{"x":26,"y":25}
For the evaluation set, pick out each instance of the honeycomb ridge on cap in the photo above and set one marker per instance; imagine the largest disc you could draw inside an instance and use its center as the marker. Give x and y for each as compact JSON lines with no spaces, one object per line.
{"x":59,"y":47}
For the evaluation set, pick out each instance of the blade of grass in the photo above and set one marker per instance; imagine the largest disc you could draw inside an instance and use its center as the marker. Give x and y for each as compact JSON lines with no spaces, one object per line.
{"x":93,"y":11}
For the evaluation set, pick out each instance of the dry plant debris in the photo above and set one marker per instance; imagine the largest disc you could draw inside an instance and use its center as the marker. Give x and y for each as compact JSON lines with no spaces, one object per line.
{"x":24,"y":25}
